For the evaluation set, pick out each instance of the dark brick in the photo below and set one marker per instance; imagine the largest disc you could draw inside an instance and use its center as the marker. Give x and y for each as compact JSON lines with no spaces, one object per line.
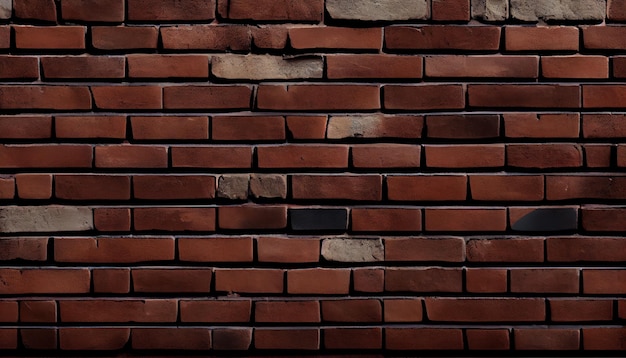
{"x":546,"y":219}
{"x":319,"y":219}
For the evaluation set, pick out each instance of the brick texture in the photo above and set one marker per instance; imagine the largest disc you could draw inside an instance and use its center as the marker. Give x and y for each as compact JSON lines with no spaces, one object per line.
{"x":312,"y":177}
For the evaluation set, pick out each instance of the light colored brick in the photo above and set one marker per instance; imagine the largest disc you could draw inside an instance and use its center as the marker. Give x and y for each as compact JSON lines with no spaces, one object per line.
{"x":268,"y":186}
{"x":353,"y":250}
{"x":374,"y":126}
{"x":45,"y":218}
{"x":559,"y":10}
{"x":259,"y":67}
{"x":6,"y":7}
{"x":233,"y":186}
{"x":490,"y":10}
{"x":379,"y":10}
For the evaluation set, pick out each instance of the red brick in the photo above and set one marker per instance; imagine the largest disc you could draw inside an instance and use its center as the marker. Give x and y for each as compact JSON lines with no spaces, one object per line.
{"x":585,"y":187}
{"x":170,"y":187}
{"x":206,"y":37}
{"x":111,"y":280}
{"x":373,"y":66}
{"x":238,"y":339}
{"x":300,"y":339}
{"x":7,"y":188}
{"x":465,"y":156}
{"x":335,"y":38}
{"x":604,"y":282}
{"x":619,"y":66}
{"x":46,"y":38}
{"x":26,"y":248}
{"x":386,"y":219}
{"x":351,"y":310}
{"x":621,"y":156}
{"x":46,"y":156}
{"x":541,"y":38}
{"x":604,"y":96}
{"x":545,"y":280}
{"x":386,"y":156}
{"x":524,"y":96}
{"x":403,"y":310}
{"x":533,"y":125}
{"x":124,"y":37}
{"x":507,"y":187}
{"x":546,"y":339}
{"x":604,"y":126}
{"x":93,"y":10}
{"x":318,"y":281}
{"x":207,"y":97}
{"x":35,"y":10}
{"x":232,"y":249}
{"x":423,"y":280}
{"x":463,"y":38}
{"x":252,"y":217}
{"x":168,"y":66}
{"x":487,"y":339}
{"x":424,"y":97}
{"x":270,"y":37}
{"x":488,"y":219}
{"x":288,"y":250}
{"x":544,"y":156}
{"x":423,"y":338}
{"x":172,"y":280}
{"x":577,"y":249}
{"x":603,"y":219}
{"x":575,"y":67}
{"x":19,"y":127}
{"x":92,"y":187}
{"x":19,"y":67}
{"x":427,"y":187}
{"x":150,"y":310}
{"x":368,"y":279}
{"x":156,"y":128}
{"x":616,"y":10}
{"x":38,"y":311}
{"x":174,"y":219}
{"x":212,"y":157}
{"x":463,"y":126}
{"x":9,"y":312}
{"x":5,"y":37}
{"x":39,"y":338}
{"x":171,"y":338}
{"x":249,"y":280}
{"x":598,"y":155}
{"x":353,"y":338}
{"x":303,"y":156}
{"x":424,"y":249}
{"x":248,"y":128}
{"x":112,"y":219}
{"x":93,"y":338}
{"x":486,"y":309}
{"x":127,"y":97}
{"x":45,"y":97}
{"x":451,"y":10}
{"x":215,"y":311}
{"x":482,"y":66}
{"x":131,"y":156}
{"x":287,"y":311}
{"x":307,"y":127}
{"x":110,"y":127}
{"x":113,"y":250}
{"x":505,"y":250}
{"x":171,"y":10}
{"x":604,"y":37}
{"x":84,"y":67}
{"x":305,"y":97}
{"x":44,"y":281}
{"x":485,"y":280}
{"x":579,"y":310}
{"x":34,"y":186}
{"x":272,"y":10}
{"x":604,"y":338}
{"x":347,"y":187}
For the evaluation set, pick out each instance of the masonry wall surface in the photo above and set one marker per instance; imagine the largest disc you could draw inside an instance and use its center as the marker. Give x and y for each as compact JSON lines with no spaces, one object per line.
{"x":296,"y":177}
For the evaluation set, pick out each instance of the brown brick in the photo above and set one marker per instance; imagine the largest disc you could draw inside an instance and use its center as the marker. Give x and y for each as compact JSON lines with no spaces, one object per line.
{"x":603,"y":339}
{"x":541,"y":38}
{"x":373,"y":66}
{"x":386,"y":156}
{"x":423,"y":280}
{"x":39,"y":338}
{"x":46,"y":156}
{"x":318,"y":281}
{"x":83,"y":67}
{"x":248,"y":128}
{"x":111,"y":280}
{"x":368,"y":279}
{"x":45,"y":281}
{"x":486,"y":309}
{"x":604,"y":281}
{"x":560,"y":339}
{"x":355,"y":310}
{"x":287,"y":311}
{"x":232,"y":338}
{"x":215,"y":311}
{"x":427,"y":187}
{"x":577,"y":249}
{"x":386,"y":219}
{"x":575,"y":67}
{"x":131,"y":156}
{"x":423,"y":338}
{"x":306,"y":127}
{"x":169,"y":187}
{"x":293,"y":339}
{"x":150,"y":310}
{"x":424,"y":97}
{"x":424,"y":249}
{"x":465,"y":156}
{"x":353,"y":338}
{"x":93,"y":10}
{"x":580,"y":310}
{"x":21,"y":127}
{"x":19,"y":67}
{"x":231,"y":249}
{"x":113,"y":250}
{"x":505,"y":250}
{"x":42,"y":38}
{"x":488,"y":339}
{"x":38,"y":311}
{"x":112,"y":219}
{"x":403,"y":310}
{"x":249,"y":280}
{"x":206,"y":37}
{"x":604,"y":37}
{"x":35,"y":9}
{"x":171,"y":338}
{"x":603,"y":96}
{"x":26,"y":248}
{"x":545,"y":280}
{"x":482,"y":66}
{"x":335,"y":38}
{"x":34,"y":186}
{"x":252,"y":217}
{"x":485,"y":280}
{"x":212,"y":157}
{"x":490,"y":219}
{"x":124,"y":37}
{"x":92,"y":187}
{"x":526,"y":96}
{"x":171,"y":10}
{"x":451,"y":10}
{"x":507,"y":187}
{"x":127,"y":97}
{"x":174,"y":219}
{"x":347,"y":187}
{"x":272,"y":10}
{"x":94,"y":339}
{"x":463,"y":38}
{"x":544,"y":156}
{"x":270,"y":36}
{"x":533,"y":125}
{"x":172,"y":280}
{"x":303,"y":156}
{"x":45,"y":97}
{"x":110,"y":127}
{"x":318,"y":97}
{"x":207,"y":97}
{"x":286,"y":250}
{"x":463,"y":126}
{"x":159,"y":128}
{"x":168,"y":66}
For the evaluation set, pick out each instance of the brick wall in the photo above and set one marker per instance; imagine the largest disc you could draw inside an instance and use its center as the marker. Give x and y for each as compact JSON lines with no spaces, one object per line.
{"x":312,"y":176}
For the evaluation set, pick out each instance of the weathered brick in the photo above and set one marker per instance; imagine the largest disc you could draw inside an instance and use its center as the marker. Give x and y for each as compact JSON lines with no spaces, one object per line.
{"x":260,"y":67}
{"x":272,"y":10}
{"x":490,"y":10}
{"x":170,"y":10}
{"x":553,"y":10}
{"x":374,"y":126}
{"x":353,"y":250}
{"x":376,"y":10}
{"x":45,"y":218}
